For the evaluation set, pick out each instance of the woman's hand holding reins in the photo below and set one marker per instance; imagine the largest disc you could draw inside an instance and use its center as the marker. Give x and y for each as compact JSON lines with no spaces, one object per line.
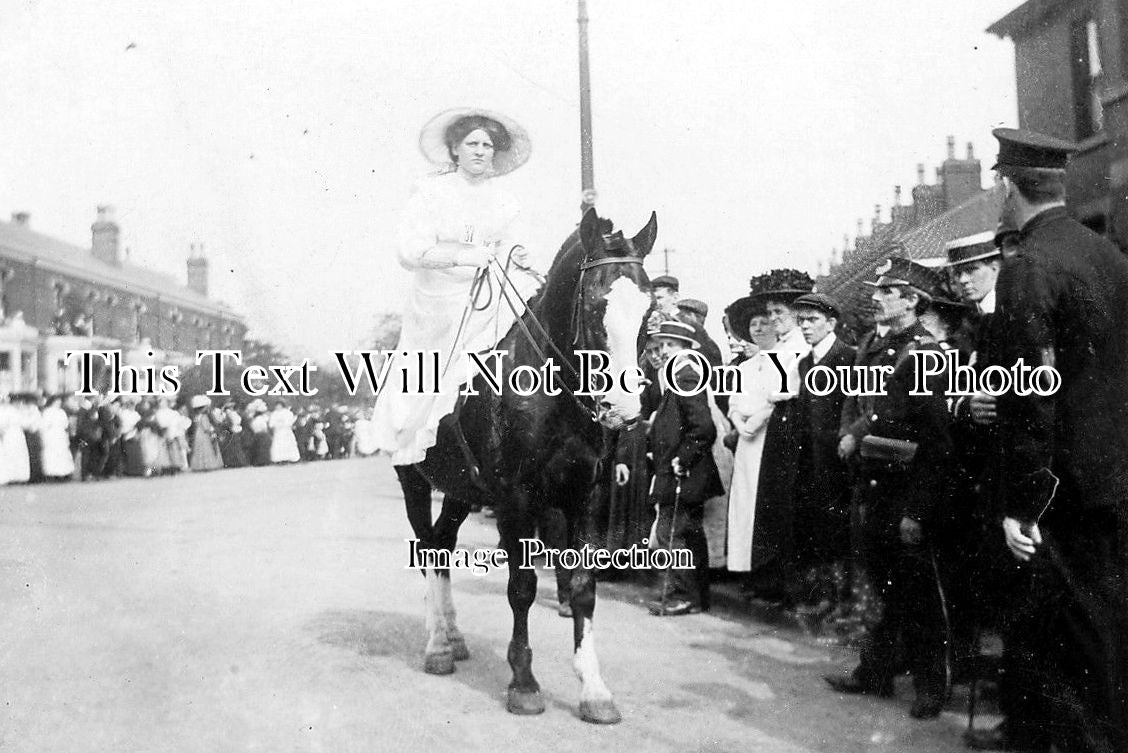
{"x":471,"y":255}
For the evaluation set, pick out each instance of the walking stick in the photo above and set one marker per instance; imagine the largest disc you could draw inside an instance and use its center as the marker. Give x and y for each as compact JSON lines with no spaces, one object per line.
{"x":947,"y":624}
{"x":670,"y":547}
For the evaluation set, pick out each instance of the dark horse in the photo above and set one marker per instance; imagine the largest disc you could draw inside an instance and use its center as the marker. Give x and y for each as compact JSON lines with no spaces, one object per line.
{"x":527,"y":454}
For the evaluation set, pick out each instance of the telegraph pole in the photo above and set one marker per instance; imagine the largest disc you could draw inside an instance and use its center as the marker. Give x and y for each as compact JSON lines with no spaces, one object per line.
{"x":587,"y":170}
{"x":666,"y":260}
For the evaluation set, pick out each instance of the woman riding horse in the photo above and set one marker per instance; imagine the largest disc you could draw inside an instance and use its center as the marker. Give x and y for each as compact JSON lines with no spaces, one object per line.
{"x":455,"y":223}
{"x":524,"y":453}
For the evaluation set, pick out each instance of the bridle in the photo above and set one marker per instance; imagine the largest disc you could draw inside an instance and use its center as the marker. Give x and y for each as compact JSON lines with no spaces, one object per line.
{"x":577,"y":324}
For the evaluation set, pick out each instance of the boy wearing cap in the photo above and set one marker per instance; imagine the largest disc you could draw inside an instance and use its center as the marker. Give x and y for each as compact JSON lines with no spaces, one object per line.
{"x":685,"y":474}
{"x":822,"y":489}
{"x":904,"y":451}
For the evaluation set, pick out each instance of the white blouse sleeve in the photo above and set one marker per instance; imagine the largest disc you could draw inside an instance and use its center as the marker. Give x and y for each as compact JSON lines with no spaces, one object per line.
{"x":419,"y":247}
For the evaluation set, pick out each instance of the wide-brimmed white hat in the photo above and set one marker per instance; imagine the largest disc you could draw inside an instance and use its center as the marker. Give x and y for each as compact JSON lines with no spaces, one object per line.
{"x":432,"y":139}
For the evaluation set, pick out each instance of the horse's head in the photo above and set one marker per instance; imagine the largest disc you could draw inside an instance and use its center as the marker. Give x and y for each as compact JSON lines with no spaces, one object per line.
{"x":613,"y":299}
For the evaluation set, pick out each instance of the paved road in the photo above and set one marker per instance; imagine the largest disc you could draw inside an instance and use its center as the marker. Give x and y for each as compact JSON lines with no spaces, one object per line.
{"x":268,"y":609}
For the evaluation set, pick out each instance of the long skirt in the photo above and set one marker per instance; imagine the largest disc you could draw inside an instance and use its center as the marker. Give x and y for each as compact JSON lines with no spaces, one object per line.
{"x":715,"y":518}
{"x":205,"y":453}
{"x":231,"y":450}
{"x":773,"y":544}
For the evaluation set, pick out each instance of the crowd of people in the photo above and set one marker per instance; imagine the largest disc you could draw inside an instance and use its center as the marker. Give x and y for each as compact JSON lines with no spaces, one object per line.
{"x":926,"y":517}
{"x":65,"y":437}
{"x":916,"y":521}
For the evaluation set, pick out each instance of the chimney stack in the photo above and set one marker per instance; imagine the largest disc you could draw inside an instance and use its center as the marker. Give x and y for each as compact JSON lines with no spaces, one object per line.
{"x":896,"y":196}
{"x":23,"y":219}
{"x":970,"y":151}
{"x":197,"y":269}
{"x":104,"y":243}
{"x":951,"y":147}
{"x":920,"y":173}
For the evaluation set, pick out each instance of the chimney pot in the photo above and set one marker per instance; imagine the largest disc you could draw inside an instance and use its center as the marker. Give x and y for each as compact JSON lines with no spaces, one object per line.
{"x":951,"y":147}
{"x":896,"y":196}
{"x":104,"y":241}
{"x":920,"y":173}
{"x":970,"y":151}
{"x":23,"y":219}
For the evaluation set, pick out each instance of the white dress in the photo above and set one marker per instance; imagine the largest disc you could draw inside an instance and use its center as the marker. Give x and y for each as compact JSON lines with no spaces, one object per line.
{"x":749,"y":409}
{"x":283,"y":444}
{"x":53,"y":432}
{"x":15,"y":465}
{"x":444,"y":211}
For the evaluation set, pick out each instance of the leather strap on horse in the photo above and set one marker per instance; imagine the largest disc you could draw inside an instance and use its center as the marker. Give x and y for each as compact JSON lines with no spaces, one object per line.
{"x":533,"y":342}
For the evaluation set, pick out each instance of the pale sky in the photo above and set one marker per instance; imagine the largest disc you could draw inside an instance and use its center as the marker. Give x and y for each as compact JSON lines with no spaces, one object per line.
{"x":283,"y":135}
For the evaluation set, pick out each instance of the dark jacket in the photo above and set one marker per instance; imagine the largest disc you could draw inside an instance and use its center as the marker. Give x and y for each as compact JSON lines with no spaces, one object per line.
{"x":917,"y":490}
{"x":1063,"y":299}
{"x":819,"y":417}
{"x":683,"y":428}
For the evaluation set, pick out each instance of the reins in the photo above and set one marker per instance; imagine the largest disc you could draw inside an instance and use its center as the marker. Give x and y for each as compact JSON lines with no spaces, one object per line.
{"x":508,"y":291}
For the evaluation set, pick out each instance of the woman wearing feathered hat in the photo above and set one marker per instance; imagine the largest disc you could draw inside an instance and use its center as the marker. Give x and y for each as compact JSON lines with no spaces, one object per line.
{"x":455,"y":226}
{"x":771,"y":543}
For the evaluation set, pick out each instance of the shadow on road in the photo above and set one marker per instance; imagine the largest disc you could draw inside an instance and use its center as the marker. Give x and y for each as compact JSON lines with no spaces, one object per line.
{"x":370,"y":633}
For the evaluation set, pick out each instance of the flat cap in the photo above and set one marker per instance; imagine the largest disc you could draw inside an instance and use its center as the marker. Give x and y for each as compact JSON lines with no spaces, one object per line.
{"x":818,"y":301}
{"x":971,"y":248}
{"x":692,"y":304}
{"x":1020,"y":148}
{"x":665,"y":281}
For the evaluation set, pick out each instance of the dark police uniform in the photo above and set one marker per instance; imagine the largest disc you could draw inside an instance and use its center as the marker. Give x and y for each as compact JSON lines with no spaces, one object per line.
{"x":1063,"y":299}
{"x":904,"y":473}
{"x":904,"y":575}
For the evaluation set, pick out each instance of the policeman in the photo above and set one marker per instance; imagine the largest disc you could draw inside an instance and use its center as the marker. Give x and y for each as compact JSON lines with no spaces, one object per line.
{"x":905,"y":452}
{"x":1063,"y":302}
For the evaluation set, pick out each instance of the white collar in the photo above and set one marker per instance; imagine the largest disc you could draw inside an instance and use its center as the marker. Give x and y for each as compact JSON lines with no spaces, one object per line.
{"x":822,"y":347}
{"x":987,"y":305}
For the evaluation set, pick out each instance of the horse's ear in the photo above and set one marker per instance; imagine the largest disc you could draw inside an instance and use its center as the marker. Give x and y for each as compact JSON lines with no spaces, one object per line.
{"x":589,"y":230}
{"x":644,"y":241}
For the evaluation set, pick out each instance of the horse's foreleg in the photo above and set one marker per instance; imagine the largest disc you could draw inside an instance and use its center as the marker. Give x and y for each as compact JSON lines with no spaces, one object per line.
{"x":438,"y":657}
{"x":524,"y":695}
{"x":453,"y":514}
{"x":596,"y":704}
{"x":440,"y":653}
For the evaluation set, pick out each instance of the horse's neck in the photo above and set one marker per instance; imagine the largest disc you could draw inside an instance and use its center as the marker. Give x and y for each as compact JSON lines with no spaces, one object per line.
{"x":556,"y":306}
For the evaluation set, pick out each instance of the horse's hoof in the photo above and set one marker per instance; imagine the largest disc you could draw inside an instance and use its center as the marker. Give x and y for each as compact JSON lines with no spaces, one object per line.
{"x":600,"y":712}
{"x":524,"y":702}
{"x":439,"y":663}
{"x":458,"y":649}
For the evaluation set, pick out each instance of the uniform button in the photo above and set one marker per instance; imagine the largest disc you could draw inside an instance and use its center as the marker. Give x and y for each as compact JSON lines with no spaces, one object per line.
{"x":873,"y":417}
{"x":873,"y":482}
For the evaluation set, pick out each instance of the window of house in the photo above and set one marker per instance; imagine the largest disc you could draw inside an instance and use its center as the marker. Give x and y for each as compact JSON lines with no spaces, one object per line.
{"x":1085,"y":51}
